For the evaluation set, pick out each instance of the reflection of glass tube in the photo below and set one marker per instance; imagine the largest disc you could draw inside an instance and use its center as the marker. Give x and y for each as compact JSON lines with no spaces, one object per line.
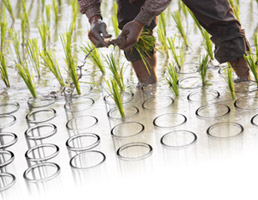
{"x":9,"y":108}
{"x":7,"y":139}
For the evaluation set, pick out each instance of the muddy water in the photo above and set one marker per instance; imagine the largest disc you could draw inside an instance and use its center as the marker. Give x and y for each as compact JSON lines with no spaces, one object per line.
{"x":61,"y":148}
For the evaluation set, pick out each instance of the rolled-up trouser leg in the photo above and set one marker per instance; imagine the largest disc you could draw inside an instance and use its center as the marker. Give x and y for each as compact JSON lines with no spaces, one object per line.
{"x":217,"y":17}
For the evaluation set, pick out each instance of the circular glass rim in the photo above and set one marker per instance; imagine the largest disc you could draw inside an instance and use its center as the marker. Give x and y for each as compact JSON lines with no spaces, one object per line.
{"x":189,"y":88}
{"x":86,"y":108}
{"x":114,"y":109}
{"x":251,"y":82}
{"x":252,"y":120}
{"x":46,"y":145}
{"x":39,"y":111}
{"x":10,"y":160}
{"x":71,"y":139}
{"x":12,"y":142}
{"x":138,"y":123}
{"x":168,"y":97}
{"x":221,"y":123}
{"x":73,"y":129}
{"x":134,"y":144}
{"x":16,"y":104}
{"x":156,"y":118}
{"x":180,"y":146}
{"x":9,"y":175}
{"x":10,"y":123}
{"x":50,"y":100}
{"x":90,"y":151}
{"x":113,"y":103}
{"x":236,"y":106}
{"x":51,"y":133}
{"x":204,"y":117}
{"x":45,"y":164}
{"x":193,"y":93}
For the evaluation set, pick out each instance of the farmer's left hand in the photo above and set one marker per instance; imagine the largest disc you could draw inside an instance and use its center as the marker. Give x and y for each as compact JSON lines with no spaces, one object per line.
{"x":130,"y":35}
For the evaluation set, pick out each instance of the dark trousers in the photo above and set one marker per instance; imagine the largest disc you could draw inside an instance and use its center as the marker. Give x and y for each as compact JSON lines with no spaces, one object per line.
{"x":216,"y":16}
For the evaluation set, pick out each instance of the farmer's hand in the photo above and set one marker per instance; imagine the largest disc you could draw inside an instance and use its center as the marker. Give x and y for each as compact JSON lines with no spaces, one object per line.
{"x":130,"y":35}
{"x":98,"y":32}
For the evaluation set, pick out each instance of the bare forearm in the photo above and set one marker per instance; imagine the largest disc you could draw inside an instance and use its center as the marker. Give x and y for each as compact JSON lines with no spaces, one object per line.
{"x":90,"y":7}
{"x":151,"y":9}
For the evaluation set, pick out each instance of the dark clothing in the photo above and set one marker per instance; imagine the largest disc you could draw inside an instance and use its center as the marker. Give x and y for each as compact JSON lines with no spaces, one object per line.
{"x":216,"y":16}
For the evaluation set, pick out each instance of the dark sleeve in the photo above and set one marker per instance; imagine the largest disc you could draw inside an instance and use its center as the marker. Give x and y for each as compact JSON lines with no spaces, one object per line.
{"x":90,"y":7}
{"x":151,"y":9}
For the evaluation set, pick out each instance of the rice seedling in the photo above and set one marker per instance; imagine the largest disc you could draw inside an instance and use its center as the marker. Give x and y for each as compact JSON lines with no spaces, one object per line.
{"x":117,"y":72}
{"x":48,"y":14}
{"x":171,"y":44}
{"x":8,"y":6}
{"x":69,"y":59}
{"x":3,"y":70}
{"x":25,"y":13}
{"x":144,"y":46}
{"x":116,"y":95}
{"x":24,"y":28}
{"x":27,"y":77}
{"x":183,"y":8}
{"x":252,"y":62}
{"x":75,"y":14}
{"x":229,"y":77}
{"x":177,"y":18}
{"x":203,"y":68}
{"x":114,"y":19}
{"x":256,"y":45}
{"x":94,"y":56}
{"x":208,"y":44}
{"x":3,"y":26}
{"x":33,"y":52}
{"x":44,"y":35}
{"x":43,"y":2}
{"x":162,"y":33}
{"x":59,"y":2}
{"x":205,"y":35}
{"x":16,"y":44}
{"x":51,"y":63}
{"x":55,"y":9}
{"x":172,"y":78}
{"x":235,"y":7}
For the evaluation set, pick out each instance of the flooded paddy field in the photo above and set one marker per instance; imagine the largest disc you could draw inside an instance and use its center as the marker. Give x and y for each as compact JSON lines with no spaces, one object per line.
{"x":70,"y":145}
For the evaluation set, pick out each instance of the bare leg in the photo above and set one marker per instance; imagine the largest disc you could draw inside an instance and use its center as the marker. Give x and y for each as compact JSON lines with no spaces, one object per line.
{"x":142,"y":73}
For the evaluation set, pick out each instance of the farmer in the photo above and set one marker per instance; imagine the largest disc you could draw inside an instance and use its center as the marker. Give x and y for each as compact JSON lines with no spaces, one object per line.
{"x":216,"y":16}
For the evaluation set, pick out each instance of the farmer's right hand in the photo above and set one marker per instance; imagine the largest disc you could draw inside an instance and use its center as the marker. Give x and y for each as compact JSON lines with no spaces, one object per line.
{"x":98,"y":32}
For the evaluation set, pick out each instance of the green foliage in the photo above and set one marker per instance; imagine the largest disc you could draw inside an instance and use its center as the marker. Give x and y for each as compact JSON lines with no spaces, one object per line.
{"x":114,"y":19}
{"x":252,"y":62}
{"x":48,"y":14}
{"x":51,"y":63}
{"x":8,"y":6}
{"x":116,"y":95}
{"x":44,"y":34}
{"x":25,"y":13}
{"x":162,"y":32}
{"x":3,"y":70}
{"x":33,"y":52}
{"x":235,"y":7}
{"x":27,"y":77}
{"x":70,"y":61}
{"x":229,"y":77}
{"x":172,"y":78}
{"x":144,"y":46}
{"x":117,"y":72}
{"x":171,"y":44}
{"x":94,"y":56}
{"x":208,"y":44}
{"x":55,"y":8}
{"x":3,"y":26}
{"x":177,"y":18}
{"x":203,"y":68}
